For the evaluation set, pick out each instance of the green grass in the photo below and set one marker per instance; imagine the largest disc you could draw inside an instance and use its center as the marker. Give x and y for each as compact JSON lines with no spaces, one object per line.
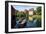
{"x":37,"y":16}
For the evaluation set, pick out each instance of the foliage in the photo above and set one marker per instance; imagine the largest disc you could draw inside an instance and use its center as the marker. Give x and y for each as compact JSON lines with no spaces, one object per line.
{"x":38,"y":10}
{"x":20,"y":14}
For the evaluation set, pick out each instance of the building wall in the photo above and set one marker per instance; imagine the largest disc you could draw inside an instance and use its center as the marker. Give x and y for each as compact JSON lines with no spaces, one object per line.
{"x":13,"y":18}
{"x":30,"y":12}
{"x":30,"y":15}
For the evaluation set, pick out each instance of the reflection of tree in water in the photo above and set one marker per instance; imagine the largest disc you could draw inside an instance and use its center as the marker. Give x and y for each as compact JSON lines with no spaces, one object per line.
{"x":21,"y":17}
{"x":38,"y":18}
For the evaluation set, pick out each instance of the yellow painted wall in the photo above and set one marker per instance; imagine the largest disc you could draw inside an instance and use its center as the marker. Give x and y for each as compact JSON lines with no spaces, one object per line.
{"x":30,"y":12}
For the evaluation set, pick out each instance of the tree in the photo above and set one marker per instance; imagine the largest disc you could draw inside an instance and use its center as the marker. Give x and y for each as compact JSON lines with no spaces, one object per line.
{"x":39,"y":10}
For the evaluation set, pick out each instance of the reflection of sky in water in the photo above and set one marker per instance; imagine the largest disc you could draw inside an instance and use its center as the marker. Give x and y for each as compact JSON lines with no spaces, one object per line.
{"x":28,"y":24}
{"x":18,"y":7}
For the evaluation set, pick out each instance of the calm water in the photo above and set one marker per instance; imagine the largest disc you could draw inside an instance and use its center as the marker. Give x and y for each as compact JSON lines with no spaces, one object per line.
{"x":28,"y":24}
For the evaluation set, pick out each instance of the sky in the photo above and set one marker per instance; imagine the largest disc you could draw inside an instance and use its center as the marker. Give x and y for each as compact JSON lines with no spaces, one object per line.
{"x":21,"y":7}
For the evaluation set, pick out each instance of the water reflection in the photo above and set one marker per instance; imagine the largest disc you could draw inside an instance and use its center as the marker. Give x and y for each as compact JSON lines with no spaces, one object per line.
{"x":28,"y":24}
